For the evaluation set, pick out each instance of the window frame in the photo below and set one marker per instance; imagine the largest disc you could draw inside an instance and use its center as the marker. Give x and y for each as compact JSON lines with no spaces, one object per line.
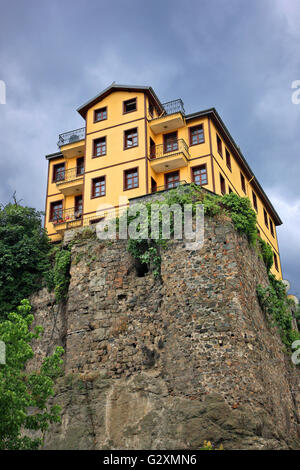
{"x":219,"y":141}
{"x":266,"y":219}
{"x":51,"y":210}
{"x":94,"y":147}
{"x":191,"y":128}
{"x":97,"y":111}
{"x":222,"y":183}
{"x":228,"y":159}
{"x":125,"y":147}
{"x":271,"y":224}
{"x":133,"y":110}
{"x":193,"y":168}
{"x":54,"y":171}
{"x":102,"y":177}
{"x":125,"y":172}
{"x":165,"y":138}
{"x":276,"y":264}
{"x":243,"y":183}
{"x":166,"y":175}
{"x":254,"y":200}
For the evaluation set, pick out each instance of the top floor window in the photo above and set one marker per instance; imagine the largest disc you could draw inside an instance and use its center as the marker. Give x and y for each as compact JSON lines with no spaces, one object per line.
{"x":100,"y":114}
{"x":131,"y":138}
{"x":196,"y":135}
{"x":129,"y":106}
{"x":59,"y":172}
{"x":219,"y":146}
{"x":272,"y":228}
{"x":243,"y":183}
{"x":254,"y":201}
{"x":228,"y":159}
{"x":266,"y":218}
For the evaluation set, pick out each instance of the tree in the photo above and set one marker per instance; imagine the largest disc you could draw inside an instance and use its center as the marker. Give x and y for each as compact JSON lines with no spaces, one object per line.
{"x":24,"y":255}
{"x":23,"y":397}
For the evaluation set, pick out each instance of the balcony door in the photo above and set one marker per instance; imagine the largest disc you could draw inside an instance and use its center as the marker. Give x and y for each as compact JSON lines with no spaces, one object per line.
{"x":170,"y":142}
{"x":78,"y":207}
{"x":172,"y":180}
{"x":80,"y":166}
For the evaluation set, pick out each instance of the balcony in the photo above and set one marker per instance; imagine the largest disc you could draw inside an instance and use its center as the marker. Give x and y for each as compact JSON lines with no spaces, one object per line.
{"x":72,"y":143}
{"x":172,"y":118}
{"x":170,"y":156}
{"x":70,"y":181}
{"x":66,"y":219}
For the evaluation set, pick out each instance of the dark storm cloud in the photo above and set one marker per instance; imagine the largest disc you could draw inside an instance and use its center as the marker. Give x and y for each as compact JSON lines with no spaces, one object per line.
{"x":240,"y":57}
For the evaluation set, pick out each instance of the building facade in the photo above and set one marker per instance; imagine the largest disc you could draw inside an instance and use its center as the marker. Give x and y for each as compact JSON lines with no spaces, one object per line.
{"x":133,"y":145}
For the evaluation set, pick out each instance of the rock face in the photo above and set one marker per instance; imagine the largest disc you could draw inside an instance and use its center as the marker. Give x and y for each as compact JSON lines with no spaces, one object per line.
{"x":167,"y":364}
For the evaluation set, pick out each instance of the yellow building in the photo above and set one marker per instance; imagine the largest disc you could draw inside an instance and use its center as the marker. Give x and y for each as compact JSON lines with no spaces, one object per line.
{"x":132,"y":145}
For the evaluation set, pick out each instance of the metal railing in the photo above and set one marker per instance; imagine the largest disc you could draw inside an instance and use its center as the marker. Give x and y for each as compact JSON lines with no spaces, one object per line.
{"x":71,"y":137}
{"x":66,"y":215}
{"x":69,"y":175}
{"x":173,"y":147}
{"x":171,"y":107}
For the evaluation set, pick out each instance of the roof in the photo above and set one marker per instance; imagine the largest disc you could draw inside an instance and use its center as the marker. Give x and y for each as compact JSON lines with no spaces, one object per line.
{"x":254,"y":182}
{"x":52,"y":156}
{"x":117,"y":87}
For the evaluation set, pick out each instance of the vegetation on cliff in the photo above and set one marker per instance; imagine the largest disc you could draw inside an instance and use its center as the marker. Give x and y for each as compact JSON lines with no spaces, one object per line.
{"x":23,"y":397}
{"x":24,"y":260}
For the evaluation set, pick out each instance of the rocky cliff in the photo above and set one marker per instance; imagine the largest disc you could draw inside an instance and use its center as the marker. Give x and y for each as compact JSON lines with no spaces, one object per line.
{"x":167,"y":364}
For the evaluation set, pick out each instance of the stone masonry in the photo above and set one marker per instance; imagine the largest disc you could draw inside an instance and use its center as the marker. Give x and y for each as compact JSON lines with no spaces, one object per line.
{"x":167,"y":364}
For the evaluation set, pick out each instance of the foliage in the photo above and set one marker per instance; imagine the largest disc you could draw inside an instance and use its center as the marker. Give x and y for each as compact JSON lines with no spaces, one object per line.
{"x":61,"y":274}
{"x":266,"y":253}
{"x":207,"y":445}
{"x":20,"y":392}
{"x":24,"y":260}
{"x":275,"y":304}
{"x":147,"y":250}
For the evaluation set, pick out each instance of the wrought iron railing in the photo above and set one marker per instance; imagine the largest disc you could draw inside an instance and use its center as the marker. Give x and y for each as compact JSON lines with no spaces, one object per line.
{"x":71,"y":137}
{"x":172,"y":147}
{"x":67,"y":215}
{"x":69,"y":175}
{"x":171,"y":107}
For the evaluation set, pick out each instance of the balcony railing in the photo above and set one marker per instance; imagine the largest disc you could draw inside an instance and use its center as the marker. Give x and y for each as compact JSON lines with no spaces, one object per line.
{"x":69,"y":175}
{"x":171,"y":107}
{"x":71,"y":137}
{"x":172,"y":147}
{"x":67,"y":215}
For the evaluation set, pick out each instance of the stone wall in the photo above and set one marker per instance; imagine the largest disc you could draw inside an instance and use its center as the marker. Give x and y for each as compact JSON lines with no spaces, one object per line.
{"x":167,"y":364}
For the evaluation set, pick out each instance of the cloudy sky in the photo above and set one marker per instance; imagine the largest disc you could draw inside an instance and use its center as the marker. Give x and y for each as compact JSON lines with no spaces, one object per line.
{"x":240,"y":57}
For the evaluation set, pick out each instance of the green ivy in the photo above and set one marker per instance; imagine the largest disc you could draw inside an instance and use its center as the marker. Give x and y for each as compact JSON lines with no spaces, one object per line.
{"x":266,"y":253}
{"x":61,"y":274}
{"x":275,"y":304}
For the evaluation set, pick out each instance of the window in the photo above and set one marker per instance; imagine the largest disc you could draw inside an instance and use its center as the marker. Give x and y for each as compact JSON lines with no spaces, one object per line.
{"x":58,"y":172}
{"x":129,"y":106}
{"x":56,"y":211}
{"x":153,"y":185}
{"x":79,"y":166}
{"x":172,"y":180}
{"x":266,"y":218}
{"x":131,"y":178}
{"x":199,"y":175}
{"x":228,"y":159}
{"x":254,"y":201}
{"x":170,"y":142}
{"x":229,"y":190}
{"x":99,"y":147}
{"x":131,"y":138}
{"x":222,"y":185}
{"x":272,"y":228}
{"x":219,"y":146}
{"x":98,"y":187}
{"x":196,"y":135}
{"x":100,"y":114}
{"x":276,"y":262}
{"x":151,"y":110}
{"x":243,"y":183}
